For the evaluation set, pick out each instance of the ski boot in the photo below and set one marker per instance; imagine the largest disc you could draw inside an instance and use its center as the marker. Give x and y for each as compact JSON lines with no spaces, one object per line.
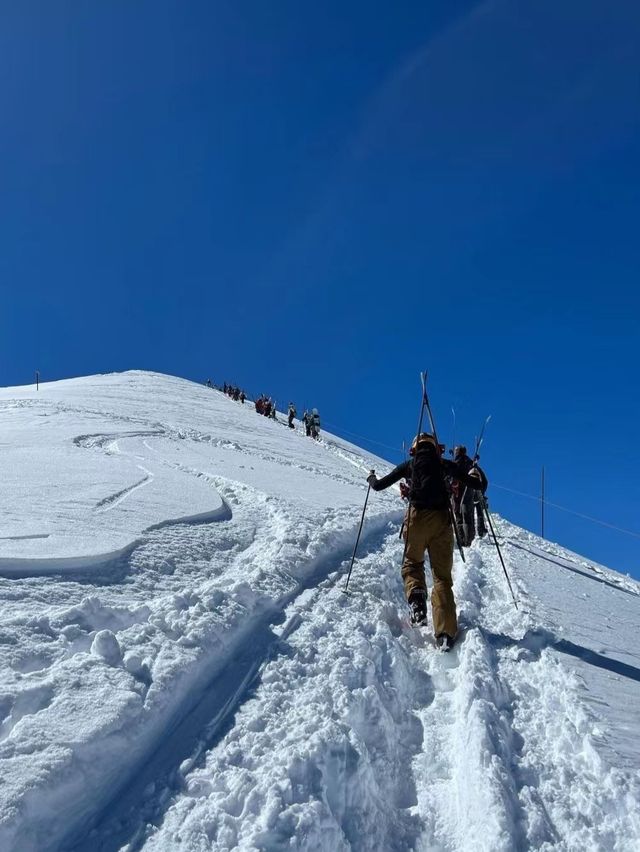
{"x":444,"y":642}
{"x":418,"y":608}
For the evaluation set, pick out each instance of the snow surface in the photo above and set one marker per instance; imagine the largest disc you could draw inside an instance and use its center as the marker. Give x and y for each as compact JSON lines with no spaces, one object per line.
{"x":181,"y":669}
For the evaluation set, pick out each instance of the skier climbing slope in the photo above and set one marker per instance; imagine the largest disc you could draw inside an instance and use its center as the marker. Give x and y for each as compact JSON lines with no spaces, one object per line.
{"x":427,"y":527}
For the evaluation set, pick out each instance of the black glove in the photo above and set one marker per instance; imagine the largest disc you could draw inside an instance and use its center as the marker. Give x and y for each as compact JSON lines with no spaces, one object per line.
{"x":372,"y":478}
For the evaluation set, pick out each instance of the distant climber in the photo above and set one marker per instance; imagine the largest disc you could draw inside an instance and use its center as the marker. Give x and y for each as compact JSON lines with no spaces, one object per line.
{"x":479,"y":498}
{"x":306,"y":419}
{"x":292,"y":414}
{"x":315,"y":424}
{"x":463,"y":497}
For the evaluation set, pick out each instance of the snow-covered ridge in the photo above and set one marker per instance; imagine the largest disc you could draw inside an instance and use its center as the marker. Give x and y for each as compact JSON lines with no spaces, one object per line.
{"x":206,"y":684}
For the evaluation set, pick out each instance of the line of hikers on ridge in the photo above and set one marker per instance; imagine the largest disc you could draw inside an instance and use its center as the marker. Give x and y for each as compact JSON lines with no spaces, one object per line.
{"x":310,"y":421}
{"x":436,"y":488}
{"x":232,"y":391}
{"x":266,"y":406}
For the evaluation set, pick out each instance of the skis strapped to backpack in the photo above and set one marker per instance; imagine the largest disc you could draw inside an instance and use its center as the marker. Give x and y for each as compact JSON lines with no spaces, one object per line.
{"x":487,"y":513}
{"x":480,"y":439}
{"x":452,"y":514}
{"x":413,"y":461}
{"x":476,"y":452}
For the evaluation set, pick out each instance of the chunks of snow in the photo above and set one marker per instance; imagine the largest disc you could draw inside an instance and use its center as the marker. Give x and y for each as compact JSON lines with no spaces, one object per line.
{"x":106,"y":645}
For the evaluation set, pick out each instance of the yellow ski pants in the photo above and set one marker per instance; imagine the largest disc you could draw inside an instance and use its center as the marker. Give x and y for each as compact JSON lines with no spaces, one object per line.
{"x":430,"y":530}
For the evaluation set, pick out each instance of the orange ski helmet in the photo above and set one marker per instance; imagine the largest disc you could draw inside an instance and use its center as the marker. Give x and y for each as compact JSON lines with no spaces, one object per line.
{"x":421,"y":440}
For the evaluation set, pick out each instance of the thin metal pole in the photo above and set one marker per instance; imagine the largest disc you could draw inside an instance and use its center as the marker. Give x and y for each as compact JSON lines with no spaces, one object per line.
{"x":37,"y":379}
{"x":404,"y":458}
{"x":495,"y":541}
{"x":353,"y":556}
{"x":542,"y":504}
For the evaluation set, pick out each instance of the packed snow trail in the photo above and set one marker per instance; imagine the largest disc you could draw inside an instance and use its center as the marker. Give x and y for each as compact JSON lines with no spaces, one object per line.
{"x":211,"y":687}
{"x":317,"y":720}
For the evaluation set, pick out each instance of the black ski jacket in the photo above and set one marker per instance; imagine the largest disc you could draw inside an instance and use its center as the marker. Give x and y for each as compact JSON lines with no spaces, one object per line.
{"x":426,"y":474}
{"x":464,"y":463}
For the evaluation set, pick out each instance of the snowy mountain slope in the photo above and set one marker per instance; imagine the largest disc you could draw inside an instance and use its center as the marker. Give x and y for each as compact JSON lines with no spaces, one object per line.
{"x":360,"y":736}
{"x":99,"y":661}
{"x":207,"y":685}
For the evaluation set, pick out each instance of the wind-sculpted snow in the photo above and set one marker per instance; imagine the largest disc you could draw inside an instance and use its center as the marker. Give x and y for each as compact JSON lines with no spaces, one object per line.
{"x":89,"y":509}
{"x":212,"y":687}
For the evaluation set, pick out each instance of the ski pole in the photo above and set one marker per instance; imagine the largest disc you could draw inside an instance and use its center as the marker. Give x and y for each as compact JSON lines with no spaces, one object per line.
{"x":495,"y":540}
{"x":452,"y":514}
{"x":456,"y":529}
{"x":404,"y":456}
{"x":424,"y":403}
{"x":353,"y":556}
{"x":404,"y":496}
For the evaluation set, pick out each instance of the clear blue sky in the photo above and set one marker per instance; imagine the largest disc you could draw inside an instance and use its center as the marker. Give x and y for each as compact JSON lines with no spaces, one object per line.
{"x":319,"y":200}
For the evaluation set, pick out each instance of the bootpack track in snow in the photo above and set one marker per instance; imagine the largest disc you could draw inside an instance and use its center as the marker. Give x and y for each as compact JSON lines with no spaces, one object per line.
{"x":212,"y":687}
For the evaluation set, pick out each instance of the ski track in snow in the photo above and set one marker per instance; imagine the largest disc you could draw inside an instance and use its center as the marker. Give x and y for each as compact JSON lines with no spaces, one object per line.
{"x":212,"y":688}
{"x":114,"y":500}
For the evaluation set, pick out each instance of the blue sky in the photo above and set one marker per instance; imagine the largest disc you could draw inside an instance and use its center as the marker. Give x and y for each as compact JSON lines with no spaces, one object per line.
{"x":320,"y":200}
